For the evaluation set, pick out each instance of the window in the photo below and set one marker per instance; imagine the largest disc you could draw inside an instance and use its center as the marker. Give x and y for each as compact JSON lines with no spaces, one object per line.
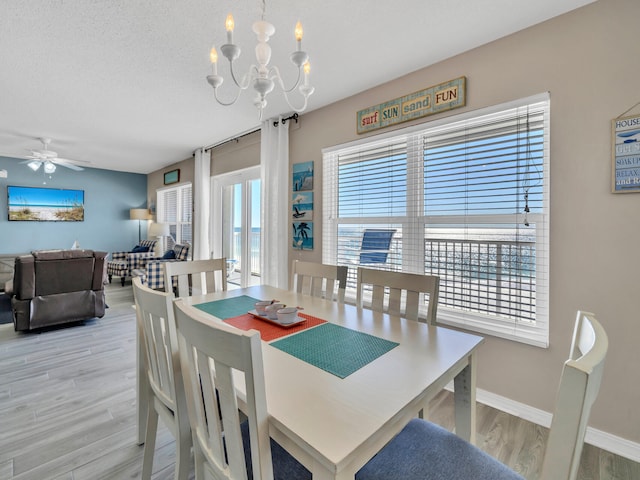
{"x":175,"y":207}
{"x":466,"y":198}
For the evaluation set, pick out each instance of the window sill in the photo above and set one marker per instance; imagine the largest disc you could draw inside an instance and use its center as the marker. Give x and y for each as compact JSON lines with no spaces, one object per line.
{"x":530,"y":335}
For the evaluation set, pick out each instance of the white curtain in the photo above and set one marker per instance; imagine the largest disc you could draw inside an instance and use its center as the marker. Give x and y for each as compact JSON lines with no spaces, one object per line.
{"x":274,"y":166}
{"x":201,"y":204}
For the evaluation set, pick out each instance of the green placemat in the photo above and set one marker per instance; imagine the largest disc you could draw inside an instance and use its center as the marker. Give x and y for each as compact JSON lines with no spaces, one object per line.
{"x":335,"y":349}
{"x":228,"y":307}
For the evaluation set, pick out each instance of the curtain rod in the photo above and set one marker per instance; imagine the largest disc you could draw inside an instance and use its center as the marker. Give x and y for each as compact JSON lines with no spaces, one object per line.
{"x":248,"y":132}
{"x":284,"y":120}
{"x":231,"y":139}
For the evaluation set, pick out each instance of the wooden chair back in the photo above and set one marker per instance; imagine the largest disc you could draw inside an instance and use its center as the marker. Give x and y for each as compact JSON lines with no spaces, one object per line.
{"x":319,"y":280}
{"x":154,"y":311}
{"x":399,"y":293}
{"x":210,"y":352}
{"x":579,"y":386}
{"x":197,"y":277}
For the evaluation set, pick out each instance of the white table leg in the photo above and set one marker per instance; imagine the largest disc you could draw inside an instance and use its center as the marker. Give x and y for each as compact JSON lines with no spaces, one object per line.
{"x":465,"y":401}
{"x":323,"y":474}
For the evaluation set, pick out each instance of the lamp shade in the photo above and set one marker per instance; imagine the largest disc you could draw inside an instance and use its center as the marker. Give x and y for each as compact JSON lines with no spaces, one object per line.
{"x":139,"y":214}
{"x":159,"y":230}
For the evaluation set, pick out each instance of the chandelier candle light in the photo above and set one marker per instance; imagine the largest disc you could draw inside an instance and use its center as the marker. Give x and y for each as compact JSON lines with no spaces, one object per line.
{"x":261,"y":77}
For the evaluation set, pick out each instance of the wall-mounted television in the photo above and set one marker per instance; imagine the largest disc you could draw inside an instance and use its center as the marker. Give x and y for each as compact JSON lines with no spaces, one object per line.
{"x":41,"y":204}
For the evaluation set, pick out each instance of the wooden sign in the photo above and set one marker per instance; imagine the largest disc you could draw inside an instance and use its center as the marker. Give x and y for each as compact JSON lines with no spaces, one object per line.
{"x":435,"y":99}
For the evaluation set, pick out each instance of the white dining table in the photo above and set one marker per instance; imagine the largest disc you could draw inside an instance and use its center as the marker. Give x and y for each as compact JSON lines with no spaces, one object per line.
{"x":335,"y":425}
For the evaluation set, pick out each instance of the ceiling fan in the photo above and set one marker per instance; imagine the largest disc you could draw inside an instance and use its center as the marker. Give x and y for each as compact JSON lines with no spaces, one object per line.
{"x":48,"y":159}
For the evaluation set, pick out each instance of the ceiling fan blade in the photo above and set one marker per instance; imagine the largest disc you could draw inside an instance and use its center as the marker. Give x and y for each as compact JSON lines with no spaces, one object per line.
{"x":67,"y":163}
{"x":68,"y":160}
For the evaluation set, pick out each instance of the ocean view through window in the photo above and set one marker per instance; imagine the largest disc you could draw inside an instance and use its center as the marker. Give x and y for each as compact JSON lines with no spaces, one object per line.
{"x":467,"y":198}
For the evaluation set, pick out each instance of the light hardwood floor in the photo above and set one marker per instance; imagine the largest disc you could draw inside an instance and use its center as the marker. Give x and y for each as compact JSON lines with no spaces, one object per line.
{"x":67,"y":409}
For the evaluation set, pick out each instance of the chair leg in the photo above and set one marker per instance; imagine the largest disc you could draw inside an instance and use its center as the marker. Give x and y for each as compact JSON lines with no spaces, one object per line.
{"x":198,"y":459}
{"x":110,"y":278}
{"x":149,"y":442}
{"x":424,"y":411}
{"x":183,"y":453}
{"x":122,"y":280}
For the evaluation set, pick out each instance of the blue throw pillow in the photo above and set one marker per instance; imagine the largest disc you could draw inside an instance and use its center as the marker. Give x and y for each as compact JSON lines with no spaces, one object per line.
{"x":138,"y":249}
{"x":169,"y":254}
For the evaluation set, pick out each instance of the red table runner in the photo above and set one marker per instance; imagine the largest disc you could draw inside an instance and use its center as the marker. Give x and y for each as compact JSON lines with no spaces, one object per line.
{"x":270,"y":331}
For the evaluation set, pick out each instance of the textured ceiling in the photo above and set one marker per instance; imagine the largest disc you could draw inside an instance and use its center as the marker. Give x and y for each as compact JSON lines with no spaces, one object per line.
{"x":121,"y":83}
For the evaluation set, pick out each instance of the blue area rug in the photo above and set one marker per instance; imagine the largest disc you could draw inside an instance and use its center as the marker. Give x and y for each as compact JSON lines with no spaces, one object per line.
{"x":5,"y":309}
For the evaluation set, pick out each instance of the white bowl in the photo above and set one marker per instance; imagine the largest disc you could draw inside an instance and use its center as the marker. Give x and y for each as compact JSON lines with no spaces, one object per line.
{"x":287,"y":315}
{"x":272,"y":310}
{"x":261,"y":306}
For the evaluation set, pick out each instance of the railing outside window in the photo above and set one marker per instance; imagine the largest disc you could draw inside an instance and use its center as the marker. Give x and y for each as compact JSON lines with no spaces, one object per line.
{"x":493,"y":277}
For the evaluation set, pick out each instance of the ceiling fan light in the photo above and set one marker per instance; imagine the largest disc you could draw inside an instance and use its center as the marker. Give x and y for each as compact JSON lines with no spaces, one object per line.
{"x":34,"y":165}
{"x":49,"y":167}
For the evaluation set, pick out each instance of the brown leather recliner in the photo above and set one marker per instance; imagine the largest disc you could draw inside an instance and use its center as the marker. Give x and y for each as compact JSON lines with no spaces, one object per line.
{"x":51,"y":287}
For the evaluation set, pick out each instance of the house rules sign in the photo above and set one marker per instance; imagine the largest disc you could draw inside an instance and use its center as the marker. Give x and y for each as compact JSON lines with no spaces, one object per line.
{"x":435,"y":99}
{"x":625,"y":175}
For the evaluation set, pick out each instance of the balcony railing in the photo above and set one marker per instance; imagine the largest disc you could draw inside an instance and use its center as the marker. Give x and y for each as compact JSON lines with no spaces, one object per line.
{"x":492,"y":277}
{"x":254,"y":251}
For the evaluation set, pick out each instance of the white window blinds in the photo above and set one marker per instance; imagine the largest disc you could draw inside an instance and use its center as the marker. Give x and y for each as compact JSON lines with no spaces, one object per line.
{"x":175,"y":207}
{"x":465,"y":199}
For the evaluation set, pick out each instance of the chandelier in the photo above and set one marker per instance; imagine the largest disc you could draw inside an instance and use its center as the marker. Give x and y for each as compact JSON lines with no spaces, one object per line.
{"x":261,"y":77}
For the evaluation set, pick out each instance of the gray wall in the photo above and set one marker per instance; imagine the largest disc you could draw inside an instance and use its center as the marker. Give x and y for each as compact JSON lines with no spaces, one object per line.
{"x":108,"y":196}
{"x":587,"y":60}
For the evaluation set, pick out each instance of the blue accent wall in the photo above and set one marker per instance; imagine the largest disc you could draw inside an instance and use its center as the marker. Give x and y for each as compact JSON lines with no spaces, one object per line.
{"x":108,"y":196}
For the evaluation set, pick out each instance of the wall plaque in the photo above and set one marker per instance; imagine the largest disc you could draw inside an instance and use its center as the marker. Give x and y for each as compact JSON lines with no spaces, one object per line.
{"x":438,"y":98}
{"x":625,"y":165}
{"x":172,"y":177}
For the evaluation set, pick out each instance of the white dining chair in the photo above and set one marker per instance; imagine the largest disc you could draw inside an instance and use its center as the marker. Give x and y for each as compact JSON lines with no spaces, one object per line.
{"x":228,"y":447}
{"x":165,"y":394}
{"x":426,"y":451}
{"x":319,"y":280}
{"x":398,"y":293}
{"x":197,"y":277}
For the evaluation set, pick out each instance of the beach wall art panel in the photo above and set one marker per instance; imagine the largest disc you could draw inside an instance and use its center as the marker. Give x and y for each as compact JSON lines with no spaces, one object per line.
{"x":42,"y":204}
{"x":302,"y":206}
{"x":302,"y":176}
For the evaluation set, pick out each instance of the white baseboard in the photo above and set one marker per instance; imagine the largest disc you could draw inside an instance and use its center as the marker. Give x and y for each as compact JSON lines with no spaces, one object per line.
{"x":598,"y":438}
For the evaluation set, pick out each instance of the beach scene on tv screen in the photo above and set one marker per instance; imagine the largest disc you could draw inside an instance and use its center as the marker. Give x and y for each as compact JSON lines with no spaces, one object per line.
{"x":45,"y":204}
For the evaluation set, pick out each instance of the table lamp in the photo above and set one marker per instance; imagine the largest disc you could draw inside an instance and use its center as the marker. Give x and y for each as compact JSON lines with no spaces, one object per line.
{"x":159,"y":230}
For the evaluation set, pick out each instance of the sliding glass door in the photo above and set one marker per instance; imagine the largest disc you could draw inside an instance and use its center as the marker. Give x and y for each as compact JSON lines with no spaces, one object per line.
{"x":236,"y":224}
